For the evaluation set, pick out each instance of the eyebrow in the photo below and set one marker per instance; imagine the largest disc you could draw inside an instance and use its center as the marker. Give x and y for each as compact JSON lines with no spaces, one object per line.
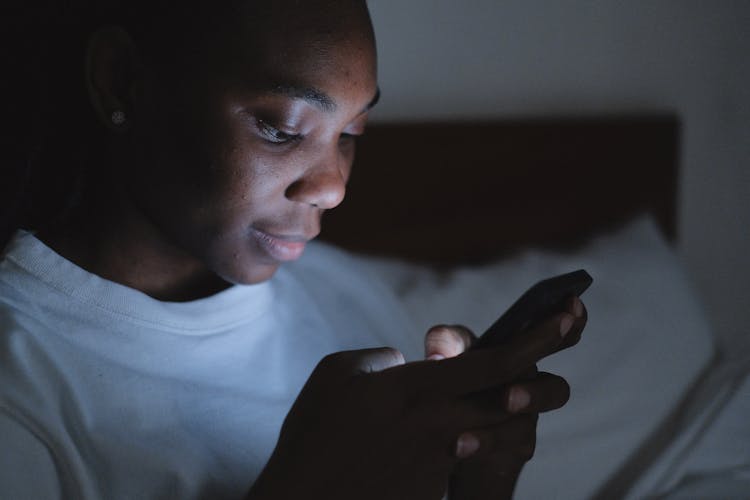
{"x":310,"y":94}
{"x":317,"y":97}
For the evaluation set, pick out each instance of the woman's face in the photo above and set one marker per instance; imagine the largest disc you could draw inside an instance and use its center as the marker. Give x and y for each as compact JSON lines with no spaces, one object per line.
{"x":238,"y":154}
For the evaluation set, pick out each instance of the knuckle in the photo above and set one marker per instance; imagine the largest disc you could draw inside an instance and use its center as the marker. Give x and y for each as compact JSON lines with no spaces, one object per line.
{"x":394,"y":356}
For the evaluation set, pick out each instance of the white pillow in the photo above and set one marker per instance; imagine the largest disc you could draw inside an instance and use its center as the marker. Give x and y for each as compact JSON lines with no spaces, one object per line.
{"x":646,"y":343}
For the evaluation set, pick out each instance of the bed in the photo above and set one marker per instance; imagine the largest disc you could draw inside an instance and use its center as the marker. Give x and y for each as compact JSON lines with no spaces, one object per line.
{"x":497,"y":187}
{"x":460,"y":218}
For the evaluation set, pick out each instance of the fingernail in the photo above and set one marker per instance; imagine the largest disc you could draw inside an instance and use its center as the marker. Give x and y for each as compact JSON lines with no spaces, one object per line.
{"x":435,"y":357}
{"x":565,"y":324}
{"x":466,"y":445}
{"x":518,"y":399}
{"x":578,"y":308}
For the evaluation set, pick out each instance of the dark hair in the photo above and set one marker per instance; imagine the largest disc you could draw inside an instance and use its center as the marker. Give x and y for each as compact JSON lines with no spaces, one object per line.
{"x":39,"y":45}
{"x":53,"y":134}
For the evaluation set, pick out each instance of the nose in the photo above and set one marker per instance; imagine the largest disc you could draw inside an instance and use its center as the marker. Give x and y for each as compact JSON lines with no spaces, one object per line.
{"x":323,"y":185}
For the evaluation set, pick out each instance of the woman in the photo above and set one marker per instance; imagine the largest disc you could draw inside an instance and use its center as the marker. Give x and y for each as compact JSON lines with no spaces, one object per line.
{"x":151,"y":343}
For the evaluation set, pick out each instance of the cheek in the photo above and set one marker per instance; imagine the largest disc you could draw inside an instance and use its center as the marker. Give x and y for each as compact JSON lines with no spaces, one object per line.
{"x":247,"y":181}
{"x":199,"y":192}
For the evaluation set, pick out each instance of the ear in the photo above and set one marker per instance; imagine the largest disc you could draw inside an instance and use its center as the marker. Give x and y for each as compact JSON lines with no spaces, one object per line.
{"x":112,"y":69}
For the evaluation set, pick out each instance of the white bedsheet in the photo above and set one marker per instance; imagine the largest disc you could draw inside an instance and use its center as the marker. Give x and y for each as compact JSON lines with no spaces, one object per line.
{"x":652,"y":407}
{"x":710,"y":456}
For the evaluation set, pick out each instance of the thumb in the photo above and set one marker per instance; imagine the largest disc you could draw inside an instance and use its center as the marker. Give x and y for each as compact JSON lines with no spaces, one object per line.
{"x":362,"y":360}
{"x":447,"y":341}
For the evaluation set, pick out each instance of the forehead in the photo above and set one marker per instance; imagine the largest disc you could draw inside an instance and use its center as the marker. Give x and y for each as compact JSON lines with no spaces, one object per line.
{"x":303,"y":41}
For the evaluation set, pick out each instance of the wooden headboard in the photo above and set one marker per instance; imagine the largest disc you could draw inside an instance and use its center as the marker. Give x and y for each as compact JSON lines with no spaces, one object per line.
{"x":450,"y":192}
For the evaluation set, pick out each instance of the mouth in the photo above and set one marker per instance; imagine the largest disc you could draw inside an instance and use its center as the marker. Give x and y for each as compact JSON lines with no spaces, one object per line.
{"x":279,"y":247}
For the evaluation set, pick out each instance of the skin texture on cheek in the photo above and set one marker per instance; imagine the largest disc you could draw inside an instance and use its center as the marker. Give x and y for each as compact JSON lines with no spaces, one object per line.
{"x":208,"y":208}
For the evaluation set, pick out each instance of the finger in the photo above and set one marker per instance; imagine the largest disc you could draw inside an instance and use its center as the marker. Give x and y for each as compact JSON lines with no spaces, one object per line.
{"x":575,"y":307}
{"x":361,"y":361}
{"x":515,"y":437}
{"x":447,"y":341}
{"x":578,"y":309}
{"x":545,"y":392}
{"x":477,"y":370}
{"x":539,"y":341}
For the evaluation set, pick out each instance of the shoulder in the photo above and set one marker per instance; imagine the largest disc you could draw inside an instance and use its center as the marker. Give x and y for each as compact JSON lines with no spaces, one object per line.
{"x":29,"y":377}
{"x":30,"y":373}
{"x":28,"y":466}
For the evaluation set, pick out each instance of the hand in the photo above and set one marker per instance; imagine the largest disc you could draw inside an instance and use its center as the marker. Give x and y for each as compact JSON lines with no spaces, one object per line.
{"x":497,"y":455}
{"x":368,"y":426}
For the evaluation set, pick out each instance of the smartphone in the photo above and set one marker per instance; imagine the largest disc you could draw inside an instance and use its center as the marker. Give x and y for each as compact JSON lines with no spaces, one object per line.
{"x":541,"y":301}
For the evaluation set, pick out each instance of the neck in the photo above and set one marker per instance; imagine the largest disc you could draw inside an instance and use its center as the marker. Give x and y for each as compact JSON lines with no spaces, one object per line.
{"x":116,"y":241}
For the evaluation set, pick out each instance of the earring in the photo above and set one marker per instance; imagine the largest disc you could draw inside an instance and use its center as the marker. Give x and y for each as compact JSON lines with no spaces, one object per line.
{"x":118,"y":117}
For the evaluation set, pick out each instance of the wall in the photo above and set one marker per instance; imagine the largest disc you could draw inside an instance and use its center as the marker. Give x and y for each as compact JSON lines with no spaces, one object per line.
{"x":491,"y":58}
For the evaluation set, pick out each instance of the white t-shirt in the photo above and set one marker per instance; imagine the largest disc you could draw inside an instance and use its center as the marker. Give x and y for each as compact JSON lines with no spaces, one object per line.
{"x":108,"y":393}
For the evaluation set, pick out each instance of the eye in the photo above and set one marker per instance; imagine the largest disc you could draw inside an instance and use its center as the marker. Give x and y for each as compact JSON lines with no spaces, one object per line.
{"x":354,"y":130}
{"x":274,"y":135}
{"x":348,"y":141}
{"x":353,"y":135}
{"x":349,"y":137}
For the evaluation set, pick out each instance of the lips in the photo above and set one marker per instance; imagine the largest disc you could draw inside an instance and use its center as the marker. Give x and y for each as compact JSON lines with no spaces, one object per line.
{"x":280,"y":247}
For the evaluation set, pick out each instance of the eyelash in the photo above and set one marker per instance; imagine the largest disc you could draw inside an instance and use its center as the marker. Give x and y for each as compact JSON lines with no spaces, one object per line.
{"x":276,"y":136}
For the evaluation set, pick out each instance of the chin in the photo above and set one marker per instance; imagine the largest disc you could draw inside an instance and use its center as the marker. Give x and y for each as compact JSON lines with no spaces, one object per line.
{"x":249,"y":275}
